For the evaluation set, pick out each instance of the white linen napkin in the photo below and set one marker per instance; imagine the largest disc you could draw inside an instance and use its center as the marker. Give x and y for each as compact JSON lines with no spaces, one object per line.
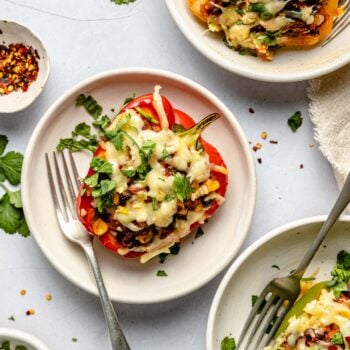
{"x":330,"y":112}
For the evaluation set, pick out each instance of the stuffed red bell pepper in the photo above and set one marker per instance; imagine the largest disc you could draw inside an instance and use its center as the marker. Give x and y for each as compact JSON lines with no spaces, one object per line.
{"x":152,"y":180}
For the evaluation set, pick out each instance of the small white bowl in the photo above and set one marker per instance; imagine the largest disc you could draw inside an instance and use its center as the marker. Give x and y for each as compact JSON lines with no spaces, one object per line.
{"x":17,"y":337}
{"x":12,"y":32}
{"x":286,"y":66}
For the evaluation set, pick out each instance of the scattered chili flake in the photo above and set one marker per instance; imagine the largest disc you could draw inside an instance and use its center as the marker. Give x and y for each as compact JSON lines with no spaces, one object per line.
{"x":257,"y":146}
{"x":23,"y":292}
{"x":274,"y":142}
{"x":301,"y":166}
{"x":251,"y":110}
{"x":264,"y":135}
{"x":311,"y":145}
{"x":19,"y":67}
{"x":30,"y":312}
{"x":259,"y":160}
{"x":48,"y":297}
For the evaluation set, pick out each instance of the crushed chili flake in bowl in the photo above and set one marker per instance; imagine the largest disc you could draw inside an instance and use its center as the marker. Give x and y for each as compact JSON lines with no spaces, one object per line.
{"x":24,"y":66}
{"x":19,"y":67}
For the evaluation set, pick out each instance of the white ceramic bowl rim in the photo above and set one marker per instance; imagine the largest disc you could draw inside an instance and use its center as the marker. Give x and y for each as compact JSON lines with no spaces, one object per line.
{"x":183,"y":80}
{"x":21,"y":336}
{"x":44,"y":78}
{"x":246,"y":253}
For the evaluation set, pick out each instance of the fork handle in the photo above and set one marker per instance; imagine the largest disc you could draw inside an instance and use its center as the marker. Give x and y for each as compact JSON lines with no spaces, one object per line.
{"x":118,"y":339}
{"x":339,"y":206}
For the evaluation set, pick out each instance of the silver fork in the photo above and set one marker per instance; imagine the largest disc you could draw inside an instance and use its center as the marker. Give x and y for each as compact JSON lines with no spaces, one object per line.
{"x":279,"y":295}
{"x":340,"y":23}
{"x":64,"y":202}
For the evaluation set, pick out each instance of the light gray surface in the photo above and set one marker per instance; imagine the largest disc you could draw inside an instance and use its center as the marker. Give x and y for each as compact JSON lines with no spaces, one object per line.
{"x":144,"y":34}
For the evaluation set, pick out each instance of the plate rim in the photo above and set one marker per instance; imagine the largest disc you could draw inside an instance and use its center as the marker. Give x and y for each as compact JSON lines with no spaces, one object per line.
{"x":241,"y":71}
{"x":46,"y":118}
{"x":280,"y":230}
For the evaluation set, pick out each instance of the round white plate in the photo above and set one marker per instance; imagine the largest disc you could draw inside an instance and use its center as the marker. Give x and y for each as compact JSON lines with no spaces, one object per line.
{"x":13,"y":32}
{"x":127,"y":280}
{"x":250,"y":273}
{"x":17,"y":337}
{"x":286,"y":66}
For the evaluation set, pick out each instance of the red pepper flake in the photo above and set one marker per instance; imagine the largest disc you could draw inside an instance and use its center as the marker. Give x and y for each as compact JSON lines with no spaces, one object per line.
{"x":347,"y":339}
{"x":301,"y":166}
{"x":19,"y":67}
{"x":251,"y":110}
{"x":259,"y":160}
{"x":264,"y":135}
{"x":257,"y":146}
{"x":274,"y":142}
{"x":332,"y":347}
{"x":30,"y":312}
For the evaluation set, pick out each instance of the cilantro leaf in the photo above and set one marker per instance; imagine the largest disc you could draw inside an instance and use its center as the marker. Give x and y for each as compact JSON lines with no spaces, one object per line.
{"x":199,"y":232}
{"x":161,"y":273}
{"x":11,"y":167}
{"x":11,"y":218}
{"x":165,"y":154}
{"x":23,"y":229}
{"x":92,"y":180}
{"x":131,"y":98}
{"x":101,"y":166}
{"x":15,"y":198}
{"x":182,"y":187}
{"x":90,"y":104}
{"x":123,"y":2}
{"x":117,"y":138}
{"x":102,"y":124}
{"x":77,"y":145}
{"x":340,"y":274}
{"x":295,"y":121}
{"x":228,"y":343}
{"x":3,"y":143}
{"x":82,"y":129}
{"x":155,"y":205}
{"x":337,"y":339}
{"x":129,"y":172}
{"x":148,"y":147}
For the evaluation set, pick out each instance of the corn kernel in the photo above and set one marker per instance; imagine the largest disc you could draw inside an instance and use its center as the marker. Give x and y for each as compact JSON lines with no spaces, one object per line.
{"x":264,"y":135}
{"x":212,"y":185}
{"x":122,"y":210}
{"x":99,"y":227}
{"x":116,"y":199}
{"x":23,"y":292}
{"x":48,"y":297}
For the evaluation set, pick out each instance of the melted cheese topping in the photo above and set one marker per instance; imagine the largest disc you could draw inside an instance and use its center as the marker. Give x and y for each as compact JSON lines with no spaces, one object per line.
{"x":181,"y":155}
{"x":317,"y":315}
{"x":242,"y":20}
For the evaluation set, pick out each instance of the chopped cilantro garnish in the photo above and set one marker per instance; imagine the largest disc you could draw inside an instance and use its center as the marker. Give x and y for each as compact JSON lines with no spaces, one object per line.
{"x":228,"y":343}
{"x":341,"y":274}
{"x":129,"y":172}
{"x":101,"y":166}
{"x":102,"y":124}
{"x":295,"y":121}
{"x":337,"y":339}
{"x":123,"y":2}
{"x":11,"y":318}
{"x":90,"y":104}
{"x":161,"y":273}
{"x":182,"y":187}
{"x":275,"y":267}
{"x":92,"y":180}
{"x":165,"y":154}
{"x":3,"y":143}
{"x":11,"y":166}
{"x":155,"y":205}
{"x":117,"y":138}
{"x":148,"y":147}
{"x":254,"y":299}
{"x":129,"y":99}
{"x":199,"y":232}
{"x":174,"y":250}
{"x":169,"y":198}
{"x":262,"y":10}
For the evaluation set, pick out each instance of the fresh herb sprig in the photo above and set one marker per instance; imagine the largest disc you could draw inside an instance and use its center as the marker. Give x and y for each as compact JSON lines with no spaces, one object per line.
{"x":295,"y":121}
{"x":12,"y":218}
{"x":123,"y":2}
{"x":340,"y":274}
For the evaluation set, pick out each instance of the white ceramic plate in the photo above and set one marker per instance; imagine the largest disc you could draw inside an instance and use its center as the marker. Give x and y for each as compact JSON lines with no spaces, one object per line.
{"x":12,"y":32}
{"x":253,"y":270}
{"x":17,"y":337}
{"x":127,"y":280}
{"x":287,"y":65}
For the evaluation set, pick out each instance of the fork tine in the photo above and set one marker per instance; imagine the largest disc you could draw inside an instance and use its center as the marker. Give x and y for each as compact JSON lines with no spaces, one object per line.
{"x":61,"y":212}
{"x":252,"y":315}
{"x":70,"y":186}
{"x":261,"y":317}
{"x":61,"y":186}
{"x":75,"y":170}
{"x":268,"y":322}
{"x":340,"y":24}
{"x":277,"y":324}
